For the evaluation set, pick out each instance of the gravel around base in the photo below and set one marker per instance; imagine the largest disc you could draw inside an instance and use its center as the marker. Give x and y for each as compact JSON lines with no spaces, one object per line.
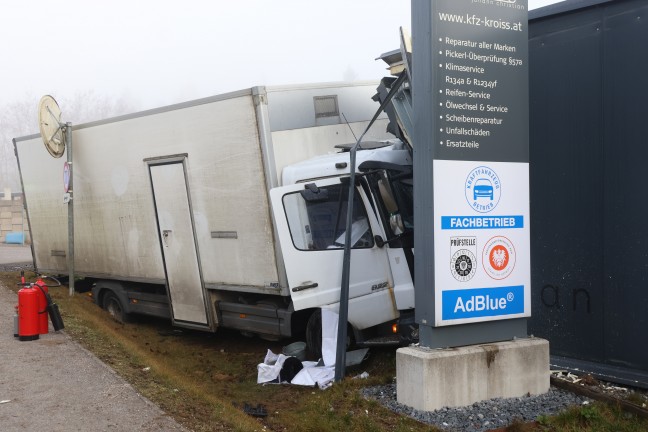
{"x":480,"y":416}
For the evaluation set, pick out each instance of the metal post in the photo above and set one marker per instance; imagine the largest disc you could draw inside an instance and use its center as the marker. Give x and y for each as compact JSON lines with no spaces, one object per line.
{"x":22,"y":219}
{"x":68,"y":142}
{"x":340,"y":352}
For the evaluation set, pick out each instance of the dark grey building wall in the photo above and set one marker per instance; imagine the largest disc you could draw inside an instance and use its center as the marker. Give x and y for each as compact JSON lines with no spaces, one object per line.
{"x":589,"y":160}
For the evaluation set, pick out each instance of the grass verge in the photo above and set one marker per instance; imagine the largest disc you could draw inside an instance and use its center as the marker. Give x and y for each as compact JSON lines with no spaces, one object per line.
{"x":597,"y":416}
{"x":203,"y":380}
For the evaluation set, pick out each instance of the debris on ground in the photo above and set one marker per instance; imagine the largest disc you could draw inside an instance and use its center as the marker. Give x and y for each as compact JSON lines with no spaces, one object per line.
{"x":258,"y":411}
{"x":281,"y":369}
{"x":601,"y":390}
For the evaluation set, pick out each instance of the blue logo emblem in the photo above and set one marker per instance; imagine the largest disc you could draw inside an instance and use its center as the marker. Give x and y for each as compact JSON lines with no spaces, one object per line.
{"x":483,"y":189}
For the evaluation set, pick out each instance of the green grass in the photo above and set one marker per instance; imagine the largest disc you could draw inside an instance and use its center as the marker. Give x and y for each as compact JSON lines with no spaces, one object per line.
{"x":596,"y":416}
{"x":203,"y":380}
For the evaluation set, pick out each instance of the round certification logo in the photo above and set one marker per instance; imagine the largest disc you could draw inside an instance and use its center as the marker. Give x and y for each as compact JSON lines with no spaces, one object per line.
{"x":463,"y":265}
{"x":483,"y":189}
{"x":498,"y":257}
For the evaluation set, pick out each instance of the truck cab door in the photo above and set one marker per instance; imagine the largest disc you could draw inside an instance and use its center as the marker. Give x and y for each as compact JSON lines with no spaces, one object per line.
{"x":310,"y":221}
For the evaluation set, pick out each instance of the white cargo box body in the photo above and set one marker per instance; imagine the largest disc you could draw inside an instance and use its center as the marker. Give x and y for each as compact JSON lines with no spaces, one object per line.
{"x":213,"y":159}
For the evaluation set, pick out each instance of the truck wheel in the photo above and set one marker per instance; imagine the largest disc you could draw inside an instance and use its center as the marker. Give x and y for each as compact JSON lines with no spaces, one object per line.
{"x":113,"y":306}
{"x":314,"y":334}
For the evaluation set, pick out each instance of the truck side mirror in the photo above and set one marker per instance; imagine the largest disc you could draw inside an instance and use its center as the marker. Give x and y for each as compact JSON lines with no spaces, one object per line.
{"x":312,"y":193}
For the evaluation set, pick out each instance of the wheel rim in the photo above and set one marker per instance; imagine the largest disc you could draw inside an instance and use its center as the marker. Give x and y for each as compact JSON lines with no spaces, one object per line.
{"x":114,"y":309}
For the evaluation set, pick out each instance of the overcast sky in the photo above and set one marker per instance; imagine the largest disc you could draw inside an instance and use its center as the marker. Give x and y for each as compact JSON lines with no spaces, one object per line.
{"x":157,"y":52}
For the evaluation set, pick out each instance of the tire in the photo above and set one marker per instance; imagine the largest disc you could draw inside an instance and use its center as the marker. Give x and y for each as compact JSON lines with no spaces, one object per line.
{"x":314,"y":334}
{"x":114,"y":307}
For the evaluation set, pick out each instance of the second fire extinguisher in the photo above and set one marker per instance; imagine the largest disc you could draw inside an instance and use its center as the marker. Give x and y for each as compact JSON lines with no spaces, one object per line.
{"x":28,"y":314}
{"x":34,"y":306}
{"x":43,"y":322}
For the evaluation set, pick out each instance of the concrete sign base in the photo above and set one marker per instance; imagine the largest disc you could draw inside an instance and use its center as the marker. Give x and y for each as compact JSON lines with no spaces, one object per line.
{"x":429,"y":379}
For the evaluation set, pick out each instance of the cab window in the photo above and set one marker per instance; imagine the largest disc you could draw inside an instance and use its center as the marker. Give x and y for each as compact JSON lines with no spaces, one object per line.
{"x":317,"y":218}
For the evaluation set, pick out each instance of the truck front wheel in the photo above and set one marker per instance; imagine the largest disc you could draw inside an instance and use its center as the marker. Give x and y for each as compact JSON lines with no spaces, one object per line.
{"x":113,"y":306}
{"x":314,"y":334}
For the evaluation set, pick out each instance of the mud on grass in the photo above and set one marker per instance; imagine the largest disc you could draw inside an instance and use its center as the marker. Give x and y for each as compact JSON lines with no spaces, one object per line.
{"x":203,"y":379}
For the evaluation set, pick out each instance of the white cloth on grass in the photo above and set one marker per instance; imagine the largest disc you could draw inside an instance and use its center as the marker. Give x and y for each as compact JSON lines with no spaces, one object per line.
{"x":270,"y":372}
{"x":320,"y":375}
{"x":311,"y":374}
{"x":329,"y":336}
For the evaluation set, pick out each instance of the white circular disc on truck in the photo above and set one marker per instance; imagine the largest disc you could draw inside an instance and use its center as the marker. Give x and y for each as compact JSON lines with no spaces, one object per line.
{"x":49,"y":122}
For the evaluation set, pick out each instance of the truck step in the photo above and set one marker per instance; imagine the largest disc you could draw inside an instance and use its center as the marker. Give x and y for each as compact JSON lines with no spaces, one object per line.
{"x":391,"y":340}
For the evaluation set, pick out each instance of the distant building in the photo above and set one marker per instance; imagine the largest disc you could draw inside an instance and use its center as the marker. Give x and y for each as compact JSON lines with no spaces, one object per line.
{"x":13,"y":219}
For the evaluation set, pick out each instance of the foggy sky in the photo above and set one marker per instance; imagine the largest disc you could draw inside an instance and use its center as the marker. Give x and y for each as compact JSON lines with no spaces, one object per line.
{"x":161,"y":52}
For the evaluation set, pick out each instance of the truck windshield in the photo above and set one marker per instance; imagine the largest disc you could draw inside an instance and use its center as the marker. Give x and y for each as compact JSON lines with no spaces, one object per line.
{"x":319,"y":224}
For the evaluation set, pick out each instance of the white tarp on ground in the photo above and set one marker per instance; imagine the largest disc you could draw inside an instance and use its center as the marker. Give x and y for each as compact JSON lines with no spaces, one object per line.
{"x":329,"y":336}
{"x":311,"y":374}
{"x":323,"y":376}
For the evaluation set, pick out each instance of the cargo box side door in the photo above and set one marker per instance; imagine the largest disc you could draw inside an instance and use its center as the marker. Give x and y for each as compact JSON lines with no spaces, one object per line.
{"x":177,"y":239}
{"x":310,"y":221}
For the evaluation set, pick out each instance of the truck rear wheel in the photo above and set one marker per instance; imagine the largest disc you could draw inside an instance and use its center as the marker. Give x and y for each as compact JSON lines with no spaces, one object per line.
{"x":113,"y":306}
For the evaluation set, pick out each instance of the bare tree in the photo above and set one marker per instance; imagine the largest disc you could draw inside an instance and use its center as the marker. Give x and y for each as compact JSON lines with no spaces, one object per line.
{"x":88,"y":106}
{"x":16,"y":119}
{"x":20,"y":118}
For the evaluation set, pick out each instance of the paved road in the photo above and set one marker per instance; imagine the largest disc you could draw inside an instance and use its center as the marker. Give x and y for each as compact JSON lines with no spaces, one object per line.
{"x":54,"y":384}
{"x":11,"y":254}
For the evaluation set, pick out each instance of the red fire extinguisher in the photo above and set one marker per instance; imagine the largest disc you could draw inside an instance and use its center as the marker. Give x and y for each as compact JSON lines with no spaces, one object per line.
{"x":22,"y":283}
{"x":28,"y":314}
{"x":50,"y":308}
{"x":34,"y":306}
{"x":42,"y":290}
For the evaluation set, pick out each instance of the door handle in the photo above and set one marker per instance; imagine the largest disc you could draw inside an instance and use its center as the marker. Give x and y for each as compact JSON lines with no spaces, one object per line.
{"x":305,"y":286}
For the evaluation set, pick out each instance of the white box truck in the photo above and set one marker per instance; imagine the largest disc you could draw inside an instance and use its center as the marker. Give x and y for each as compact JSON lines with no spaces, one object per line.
{"x":230,"y":212}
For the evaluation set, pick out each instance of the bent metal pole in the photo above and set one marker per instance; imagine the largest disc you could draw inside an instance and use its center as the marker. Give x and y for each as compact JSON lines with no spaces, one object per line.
{"x":340,"y":349}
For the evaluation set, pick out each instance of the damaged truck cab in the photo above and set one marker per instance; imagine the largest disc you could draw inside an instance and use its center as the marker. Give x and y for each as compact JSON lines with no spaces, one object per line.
{"x":310,"y":217}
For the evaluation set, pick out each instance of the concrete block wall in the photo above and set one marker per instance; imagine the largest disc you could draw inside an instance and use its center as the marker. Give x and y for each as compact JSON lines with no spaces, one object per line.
{"x":12,"y":216}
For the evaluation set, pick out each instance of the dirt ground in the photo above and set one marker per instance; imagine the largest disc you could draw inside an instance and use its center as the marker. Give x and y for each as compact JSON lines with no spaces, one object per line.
{"x":54,"y":384}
